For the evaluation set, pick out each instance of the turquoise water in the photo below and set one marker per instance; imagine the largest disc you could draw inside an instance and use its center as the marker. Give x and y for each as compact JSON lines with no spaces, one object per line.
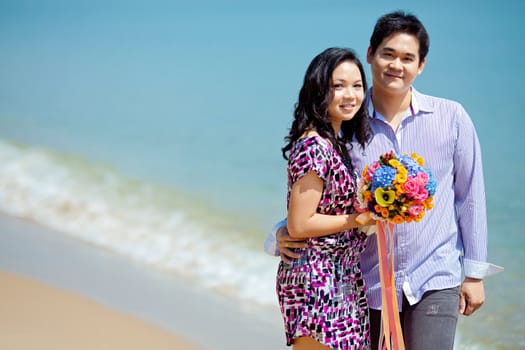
{"x":154,"y":128}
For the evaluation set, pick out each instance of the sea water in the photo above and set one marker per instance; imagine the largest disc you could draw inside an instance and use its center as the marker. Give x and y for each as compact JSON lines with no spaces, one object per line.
{"x":154,"y":129}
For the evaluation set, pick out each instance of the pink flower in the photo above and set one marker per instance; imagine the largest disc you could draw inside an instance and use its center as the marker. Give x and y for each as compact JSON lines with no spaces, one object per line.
{"x":421,"y":195}
{"x":411,"y":188}
{"x":422,"y":179}
{"x":371,"y":170}
{"x":415,"y":210}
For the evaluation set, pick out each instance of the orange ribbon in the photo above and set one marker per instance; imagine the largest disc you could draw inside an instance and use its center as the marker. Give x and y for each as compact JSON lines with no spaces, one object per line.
{"x":393,"y":336}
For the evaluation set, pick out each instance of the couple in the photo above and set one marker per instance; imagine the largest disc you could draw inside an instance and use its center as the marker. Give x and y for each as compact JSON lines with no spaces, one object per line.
{"x":326,"y":258}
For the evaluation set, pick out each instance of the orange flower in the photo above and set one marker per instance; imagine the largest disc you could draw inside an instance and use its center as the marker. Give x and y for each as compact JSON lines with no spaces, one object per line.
{"x":398,"y":219}
{"x":428,"y":204}
{"x":365,"y":171}
{"x":399,"y":190}
{"x":384,"y":212}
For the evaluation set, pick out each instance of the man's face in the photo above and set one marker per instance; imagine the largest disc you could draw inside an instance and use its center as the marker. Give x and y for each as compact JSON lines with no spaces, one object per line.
{"x":395,"y":64}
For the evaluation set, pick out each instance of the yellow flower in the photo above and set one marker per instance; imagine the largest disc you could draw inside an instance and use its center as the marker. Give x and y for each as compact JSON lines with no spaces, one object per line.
{"x":394,"y":163}
{"x":401,"y":177}
{"x":384,"y":198}
{"x":419,"y":160}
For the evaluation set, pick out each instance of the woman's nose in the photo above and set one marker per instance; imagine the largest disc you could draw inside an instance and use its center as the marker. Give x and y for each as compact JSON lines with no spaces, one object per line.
{"x":349,"y":92}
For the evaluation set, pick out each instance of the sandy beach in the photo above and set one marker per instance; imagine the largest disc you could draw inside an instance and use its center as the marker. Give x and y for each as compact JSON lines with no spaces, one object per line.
{"x":60,"y":293}
{"x":35,"y":316}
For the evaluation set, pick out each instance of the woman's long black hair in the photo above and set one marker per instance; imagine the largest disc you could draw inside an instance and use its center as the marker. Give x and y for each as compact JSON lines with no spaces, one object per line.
{"x":311,"y":110}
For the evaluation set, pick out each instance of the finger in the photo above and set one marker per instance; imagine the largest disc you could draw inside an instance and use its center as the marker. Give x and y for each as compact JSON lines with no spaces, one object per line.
{"x":282,"y":235}
{"x":462,"y":304}
{"x":473,"y":307}
{"x":290,"y":245}
{"x":285,"y":259}
{"x":363,"y":218}
{"x":295,"y":244}
{"x":469,"y":310}
{"x":290,"y":254}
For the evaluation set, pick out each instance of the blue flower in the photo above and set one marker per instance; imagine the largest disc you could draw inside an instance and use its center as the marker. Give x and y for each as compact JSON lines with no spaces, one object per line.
{"x":410,"y":164}
{"x":431,"y":185}
{"x":383,"y":177}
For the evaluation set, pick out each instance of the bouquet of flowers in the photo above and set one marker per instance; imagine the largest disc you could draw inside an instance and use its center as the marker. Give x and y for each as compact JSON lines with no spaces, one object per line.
{"x":393,"y":190}
{"x":396,"y":188}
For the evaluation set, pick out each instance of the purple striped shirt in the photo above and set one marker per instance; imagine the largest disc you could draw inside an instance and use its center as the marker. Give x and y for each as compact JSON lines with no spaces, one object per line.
{"x":429,"y":254}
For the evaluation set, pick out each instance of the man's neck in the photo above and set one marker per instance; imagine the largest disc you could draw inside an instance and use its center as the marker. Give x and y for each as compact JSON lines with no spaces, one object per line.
{"x":391,"y":106}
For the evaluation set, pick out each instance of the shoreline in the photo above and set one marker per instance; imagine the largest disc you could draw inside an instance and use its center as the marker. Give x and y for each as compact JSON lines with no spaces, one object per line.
{"x":208,"y":321}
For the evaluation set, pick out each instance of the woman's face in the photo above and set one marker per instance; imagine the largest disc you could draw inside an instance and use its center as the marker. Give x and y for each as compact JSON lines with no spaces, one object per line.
{"x":347,"y":93}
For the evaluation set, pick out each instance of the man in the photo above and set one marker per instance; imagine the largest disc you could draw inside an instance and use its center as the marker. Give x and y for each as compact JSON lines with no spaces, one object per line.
{"x":429,"y":256}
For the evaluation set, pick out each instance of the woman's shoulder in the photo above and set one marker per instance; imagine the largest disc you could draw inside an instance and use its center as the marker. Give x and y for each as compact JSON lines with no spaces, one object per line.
{"x":310,"y":148}
{"x":310,"y":152}
{"x":312,"y":139}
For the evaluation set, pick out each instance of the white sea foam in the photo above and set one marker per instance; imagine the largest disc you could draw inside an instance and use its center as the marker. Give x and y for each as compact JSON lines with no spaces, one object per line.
{"x":145,"y":222}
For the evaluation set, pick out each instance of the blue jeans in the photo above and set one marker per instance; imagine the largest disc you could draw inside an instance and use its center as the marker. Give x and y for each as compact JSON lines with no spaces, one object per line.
{"x":427,"y":325}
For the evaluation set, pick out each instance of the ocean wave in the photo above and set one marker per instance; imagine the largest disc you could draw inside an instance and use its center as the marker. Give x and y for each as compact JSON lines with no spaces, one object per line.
{"x":153,"y":224}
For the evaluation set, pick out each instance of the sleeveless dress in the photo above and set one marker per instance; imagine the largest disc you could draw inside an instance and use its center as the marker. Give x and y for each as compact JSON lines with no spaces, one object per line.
{"x":322,"y":294}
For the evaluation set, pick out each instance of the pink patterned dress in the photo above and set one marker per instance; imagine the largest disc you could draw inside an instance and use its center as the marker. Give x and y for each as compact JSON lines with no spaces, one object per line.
{"x":322,"y":295}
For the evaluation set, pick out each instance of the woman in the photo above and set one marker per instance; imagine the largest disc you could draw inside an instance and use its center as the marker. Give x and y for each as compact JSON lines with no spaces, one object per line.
{"x":322,"y":294}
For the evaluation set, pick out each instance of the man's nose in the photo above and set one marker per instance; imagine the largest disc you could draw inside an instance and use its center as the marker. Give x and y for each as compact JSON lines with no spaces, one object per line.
{"x":396,"y":63}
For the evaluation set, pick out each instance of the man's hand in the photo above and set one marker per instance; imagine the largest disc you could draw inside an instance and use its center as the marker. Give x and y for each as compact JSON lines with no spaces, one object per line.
{"x":287,"y":244}
{"x":471,"y":296}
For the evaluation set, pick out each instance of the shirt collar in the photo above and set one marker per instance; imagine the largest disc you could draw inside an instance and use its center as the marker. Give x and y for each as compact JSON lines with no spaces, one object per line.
{"x":418,"y":102}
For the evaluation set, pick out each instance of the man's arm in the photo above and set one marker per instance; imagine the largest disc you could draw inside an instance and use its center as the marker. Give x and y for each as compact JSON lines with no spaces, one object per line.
{"x":470,"y":203}
{"x":469,"y":193}
{"x":270,"y":244}
{"x":279,"y":243}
